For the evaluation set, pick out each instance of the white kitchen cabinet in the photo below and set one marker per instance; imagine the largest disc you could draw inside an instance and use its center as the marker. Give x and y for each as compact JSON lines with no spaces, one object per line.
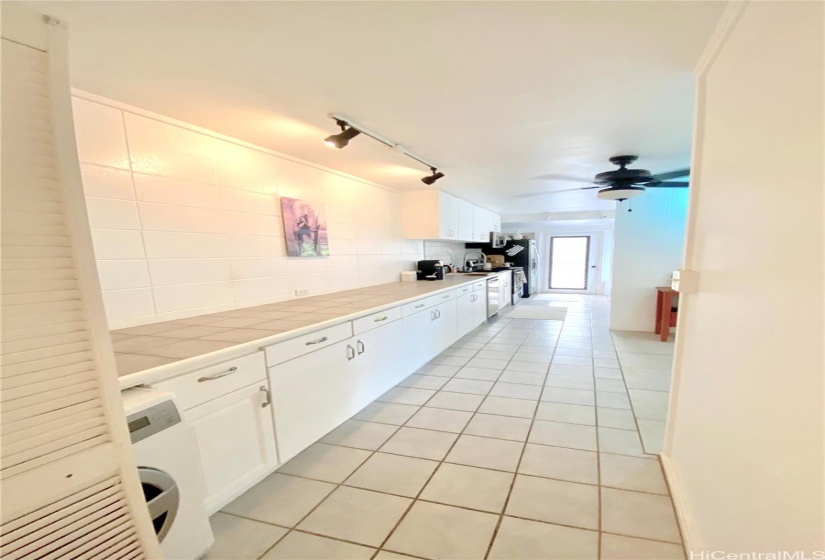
{"x":429,"y":215}
{"x":505,"y":287}
{"x":236,"y":442}
{"x":419,"y":333}
{"x":316,"y":392}
{"x":466,"y":223}
{"x":438,"y":215}
{"x":466,"y":318}
{"x":446,"y":326}
{"x":479,"y":306}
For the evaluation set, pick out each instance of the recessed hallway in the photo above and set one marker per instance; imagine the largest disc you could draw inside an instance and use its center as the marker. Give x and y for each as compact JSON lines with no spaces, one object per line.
{"x":519,"y":441}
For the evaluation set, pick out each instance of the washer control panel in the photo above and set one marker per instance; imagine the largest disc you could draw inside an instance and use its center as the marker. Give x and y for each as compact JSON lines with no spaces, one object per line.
{"x":152,"y":420}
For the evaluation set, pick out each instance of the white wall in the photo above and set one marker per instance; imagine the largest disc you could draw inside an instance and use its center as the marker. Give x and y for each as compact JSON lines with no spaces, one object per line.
{"x":648,"y":247}
{"x":744,"y":446}
{"x":187,"y":222}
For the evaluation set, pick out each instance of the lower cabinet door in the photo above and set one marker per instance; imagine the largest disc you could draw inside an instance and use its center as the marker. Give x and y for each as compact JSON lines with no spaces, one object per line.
{"x":380,"y":363}
{"x":420,"y":336}
{"x":466,"y":319}
{"x":312,"y":395}
{"x":236,"y":441}
{"x":480,"y":307}
{"x":446,"y":324}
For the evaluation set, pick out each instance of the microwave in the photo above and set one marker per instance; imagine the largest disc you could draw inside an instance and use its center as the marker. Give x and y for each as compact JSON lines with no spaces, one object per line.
{"x":497,"y":239}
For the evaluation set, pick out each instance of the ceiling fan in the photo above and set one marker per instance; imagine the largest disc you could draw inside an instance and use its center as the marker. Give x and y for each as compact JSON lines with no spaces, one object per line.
{"x":622,"y":183}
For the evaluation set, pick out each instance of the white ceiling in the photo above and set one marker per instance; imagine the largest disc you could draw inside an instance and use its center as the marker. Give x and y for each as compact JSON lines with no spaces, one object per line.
{"x":493,"y":92}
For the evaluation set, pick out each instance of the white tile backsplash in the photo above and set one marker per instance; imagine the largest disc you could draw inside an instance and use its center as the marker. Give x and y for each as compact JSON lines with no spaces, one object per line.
{"x":185,"y":222}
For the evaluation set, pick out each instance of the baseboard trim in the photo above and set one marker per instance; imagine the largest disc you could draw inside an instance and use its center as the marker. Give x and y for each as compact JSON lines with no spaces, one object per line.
{"x":679,"y":503}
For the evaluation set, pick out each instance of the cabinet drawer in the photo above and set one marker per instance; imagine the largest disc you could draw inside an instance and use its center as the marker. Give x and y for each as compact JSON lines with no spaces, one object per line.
{"x":480,"y":285}
{"x":209,"y":383}
{"x":304,"y":344}
{"x":426,"y":302}
{"x":375,"y":320}
{"x":463,"y":290}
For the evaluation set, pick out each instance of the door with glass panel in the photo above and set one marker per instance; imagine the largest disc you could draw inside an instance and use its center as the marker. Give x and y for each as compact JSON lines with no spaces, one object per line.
{"x":570,"y":264}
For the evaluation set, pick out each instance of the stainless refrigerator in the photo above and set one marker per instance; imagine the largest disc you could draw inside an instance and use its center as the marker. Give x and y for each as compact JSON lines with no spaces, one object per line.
{"x":523,"y":253}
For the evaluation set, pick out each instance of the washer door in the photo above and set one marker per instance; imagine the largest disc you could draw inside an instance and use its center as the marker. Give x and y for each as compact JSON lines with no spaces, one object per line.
{"x":162,"y":498}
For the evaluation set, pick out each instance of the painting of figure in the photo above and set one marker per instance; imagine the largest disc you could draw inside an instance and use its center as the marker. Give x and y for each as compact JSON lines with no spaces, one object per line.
{"x":304,"y":228}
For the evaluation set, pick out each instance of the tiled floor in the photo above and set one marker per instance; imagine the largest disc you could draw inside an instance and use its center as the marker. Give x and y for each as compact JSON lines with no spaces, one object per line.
{"x":519,"y":442}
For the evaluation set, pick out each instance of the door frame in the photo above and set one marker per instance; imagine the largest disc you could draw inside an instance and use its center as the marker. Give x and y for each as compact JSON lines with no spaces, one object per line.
{"x":595,"y":285}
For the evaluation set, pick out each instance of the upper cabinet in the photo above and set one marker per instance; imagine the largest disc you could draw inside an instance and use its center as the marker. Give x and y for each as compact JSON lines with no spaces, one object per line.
{"x":438,"y":215}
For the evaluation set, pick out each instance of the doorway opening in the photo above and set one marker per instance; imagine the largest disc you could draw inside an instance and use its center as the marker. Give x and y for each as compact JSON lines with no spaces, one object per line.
{"x":570,"y":263}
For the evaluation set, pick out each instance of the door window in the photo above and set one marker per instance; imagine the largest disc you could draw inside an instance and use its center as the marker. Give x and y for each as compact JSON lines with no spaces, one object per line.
{"x":569,"y":258}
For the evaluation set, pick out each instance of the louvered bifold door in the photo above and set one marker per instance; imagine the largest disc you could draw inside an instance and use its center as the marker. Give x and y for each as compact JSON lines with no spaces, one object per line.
{"x":68,"y":490}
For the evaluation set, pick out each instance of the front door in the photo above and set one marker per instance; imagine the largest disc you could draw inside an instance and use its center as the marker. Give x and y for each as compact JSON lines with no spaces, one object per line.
{"x":571,"y":269}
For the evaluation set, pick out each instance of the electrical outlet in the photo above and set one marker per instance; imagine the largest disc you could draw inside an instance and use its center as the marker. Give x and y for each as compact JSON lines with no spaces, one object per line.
{"x":300,"y":293}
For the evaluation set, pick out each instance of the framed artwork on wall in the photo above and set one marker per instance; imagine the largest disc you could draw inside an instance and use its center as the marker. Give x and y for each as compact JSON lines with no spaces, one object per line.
{"x":304,"y":228}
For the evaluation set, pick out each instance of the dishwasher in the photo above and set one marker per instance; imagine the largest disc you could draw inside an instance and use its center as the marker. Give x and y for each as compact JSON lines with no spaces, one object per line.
{"x":493,"y":295}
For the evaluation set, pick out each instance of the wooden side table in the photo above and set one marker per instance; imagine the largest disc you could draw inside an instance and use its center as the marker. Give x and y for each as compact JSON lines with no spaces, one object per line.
{"x":665,"y":316}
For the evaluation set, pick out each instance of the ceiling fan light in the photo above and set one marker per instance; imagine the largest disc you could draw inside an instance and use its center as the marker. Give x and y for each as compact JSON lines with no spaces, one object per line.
{"x":619,"y":193}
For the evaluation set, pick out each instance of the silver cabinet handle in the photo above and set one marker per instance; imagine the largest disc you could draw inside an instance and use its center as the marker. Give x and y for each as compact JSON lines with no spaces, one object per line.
{"x":432,"y":315}
{"x":318,"y":341}
{"x":230,"y":371}
{"x":382,"y":318}
{"x":445,"y":296}
{"x":350,"y":352}
{"x":420,"y":305}
{"x":361,"y":347}
{"x":267,"y":397}
{"x":465,"y":289}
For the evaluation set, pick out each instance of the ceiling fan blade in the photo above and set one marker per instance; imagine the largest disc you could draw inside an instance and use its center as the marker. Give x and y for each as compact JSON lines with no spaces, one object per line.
{"x":672,"y":174}
{"x":562,"y":177}
{"x":669,"y":184}
{"x":541,"y":193}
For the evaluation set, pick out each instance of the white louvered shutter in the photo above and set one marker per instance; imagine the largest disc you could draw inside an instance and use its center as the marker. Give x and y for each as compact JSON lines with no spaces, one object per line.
{"x":69,"y":485}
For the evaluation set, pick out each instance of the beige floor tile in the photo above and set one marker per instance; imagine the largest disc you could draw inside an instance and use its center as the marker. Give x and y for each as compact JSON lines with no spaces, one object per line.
{"x":487,"y":363}
{"x":610,"y":386}
{"x":432,"y":382}
{"x":578,"y":352}
{"x":393,"y":474}
{"x":386,"y":413}
{"x":437,"y":531}
{"x":363,"y":435}
{"x":519,"y":539}
{"x":543,"y":358}
{"x":486,"y":453}
{"x":649,"y":405}
{"x":615,"y":547}
{"x":462,"y":352}
{"x":455,"y":401}
{"x":504,"y":406}
{"x":481,"y":374}
{"x":471,"y":487}
{"x":572,"y":465}
{"x":438,"y":370}
{"x":639,"y":515}
{"x":632,"y":473}
{"x":569,"y":396}
{"x":504,"y":427}
{"x":555,"y":501}
{"x":415,"y":442}
{"x":563,"y":369}
{"x":329,"y":463}
{"x":568,"y":413}
{"x":649,"y":379}
{"x":607,"y":373}
{"x":662,"y":362}
{"x":440,"y":419}
{"x":607,"y":399}
{"x":406,"y":395}
{"x":516,"y":391}
{"x":560,"y":434}
{"x":570,"y":381}
{"x":472,"y":386}
{"x":240,"y":539}
{"x":280,"y":499}
{"x":356,"y":515}
{"x":616,"y":418}
{"x":653,"y":435}
{"x":495,"y":354}
{"x":620,"y":442}
{"x":530,"y":367}
{"x":449,"y":360}
{"x":522,"y":377}
{"x":387,"y":555}
{"x":301,"y":546}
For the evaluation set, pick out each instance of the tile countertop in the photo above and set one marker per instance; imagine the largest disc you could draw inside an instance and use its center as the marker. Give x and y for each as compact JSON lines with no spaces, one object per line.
{"x":157,"y":351}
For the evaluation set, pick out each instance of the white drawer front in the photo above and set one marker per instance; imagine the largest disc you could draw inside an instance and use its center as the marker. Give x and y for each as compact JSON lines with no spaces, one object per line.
{"x":416,"y":306}
{"x":463,"y":290}
{"x":375,"y":320}
{"x":481,"y":285}
{"x":198,"y":387}
{"x":304,"y":344}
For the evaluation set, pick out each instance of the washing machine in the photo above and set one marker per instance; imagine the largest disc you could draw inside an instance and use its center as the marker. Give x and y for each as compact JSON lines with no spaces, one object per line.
{"x":170,"y":473}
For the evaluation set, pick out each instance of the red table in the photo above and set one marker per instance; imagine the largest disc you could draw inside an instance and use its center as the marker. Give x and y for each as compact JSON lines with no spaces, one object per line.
{"x":665,"y":316}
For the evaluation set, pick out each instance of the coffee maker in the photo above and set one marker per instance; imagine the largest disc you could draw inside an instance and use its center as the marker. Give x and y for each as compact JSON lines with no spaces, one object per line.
{"x":430,"y":270}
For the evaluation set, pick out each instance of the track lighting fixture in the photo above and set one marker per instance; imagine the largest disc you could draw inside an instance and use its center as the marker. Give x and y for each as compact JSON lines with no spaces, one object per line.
{"x":341,"y":139}
{"x":430,"y":179}
{"x":350,"y":130}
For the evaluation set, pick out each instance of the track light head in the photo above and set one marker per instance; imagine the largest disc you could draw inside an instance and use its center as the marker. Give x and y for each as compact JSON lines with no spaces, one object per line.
{"x":341,"y":139}
{"x":430,"y":179}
